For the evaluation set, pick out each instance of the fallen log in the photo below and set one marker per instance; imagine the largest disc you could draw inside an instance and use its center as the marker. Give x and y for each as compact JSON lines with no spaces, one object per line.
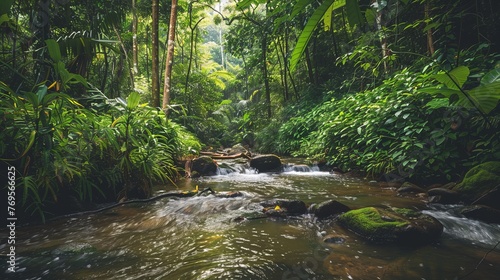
{"x":223,"y":156}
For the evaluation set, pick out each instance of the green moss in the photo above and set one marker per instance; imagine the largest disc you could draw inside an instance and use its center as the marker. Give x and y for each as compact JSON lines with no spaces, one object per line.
{"x":479,"y":180}
{"x":371,"y":223}
{"x":409,"y":213}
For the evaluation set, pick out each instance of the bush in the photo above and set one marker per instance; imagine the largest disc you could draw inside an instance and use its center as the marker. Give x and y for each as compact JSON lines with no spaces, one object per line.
{"x":62,"y":150}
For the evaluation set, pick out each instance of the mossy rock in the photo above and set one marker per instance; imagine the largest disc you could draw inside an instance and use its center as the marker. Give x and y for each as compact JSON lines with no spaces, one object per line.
{"x":403,"y":226}
{"x":203,"y":166}
{"x":479,"y":180}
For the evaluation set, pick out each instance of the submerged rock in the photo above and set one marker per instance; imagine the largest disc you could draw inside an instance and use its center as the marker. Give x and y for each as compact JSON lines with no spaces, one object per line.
{"x":403,"y":226}
{"x":290,"y":207}
{"x":275,"y":212}
{"x":479,"y":180}
{"x":408,"y":188}
{"x":329,"y":208}
{"x":334,"y":239}
{"x":229,"y":194}
{"x":266,"y":163}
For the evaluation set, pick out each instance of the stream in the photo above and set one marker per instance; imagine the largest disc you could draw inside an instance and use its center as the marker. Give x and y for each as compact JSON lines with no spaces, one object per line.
{"x":201,"y":238}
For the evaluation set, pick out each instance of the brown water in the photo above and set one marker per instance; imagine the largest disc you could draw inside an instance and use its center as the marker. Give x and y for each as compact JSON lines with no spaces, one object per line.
{"x":196,"y":238}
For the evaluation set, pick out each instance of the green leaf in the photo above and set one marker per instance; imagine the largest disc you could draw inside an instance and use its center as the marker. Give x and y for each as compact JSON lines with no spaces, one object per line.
{"x":437,"y":103}
{"x":327,"y":19}
{"x":370,"y":16}
{"x":307,"y":32}
{"x":42,"y":91}
{"x":491,"y":77}
{"x":4,"y":18}
{"x":30,"y":143}
{"x":390,"y":120}
{"x":244,"y":4}
{"x":455,"y":79}
{"x":486,"y":97}
{"x":439,"y":140}
{"x":133,"y":100}
{"x":354,"y":16}
{"x":6,"y":88}
{"x":54,"y":51}
{"x":442,"y":91}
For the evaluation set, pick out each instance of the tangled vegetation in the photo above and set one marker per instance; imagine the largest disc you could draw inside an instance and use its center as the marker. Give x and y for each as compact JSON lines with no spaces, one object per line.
{"x":404,"y":89}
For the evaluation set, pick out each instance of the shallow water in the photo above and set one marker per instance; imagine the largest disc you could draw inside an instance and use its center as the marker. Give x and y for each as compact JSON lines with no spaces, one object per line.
{"x":197,"y":237}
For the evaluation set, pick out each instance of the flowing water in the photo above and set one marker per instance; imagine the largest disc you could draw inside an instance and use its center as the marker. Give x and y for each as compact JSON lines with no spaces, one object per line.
{"x":202,"y":238}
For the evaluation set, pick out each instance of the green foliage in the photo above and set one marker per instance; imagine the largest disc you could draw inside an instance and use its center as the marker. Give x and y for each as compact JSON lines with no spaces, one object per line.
{"x":61,"y":149}
{"x":480,"y":180}
{"x":318,"y":14}
{"x":484,"y":97}
{"x":393,"y":128}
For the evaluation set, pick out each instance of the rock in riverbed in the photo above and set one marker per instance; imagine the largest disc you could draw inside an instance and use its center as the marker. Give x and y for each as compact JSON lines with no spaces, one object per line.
{"x":266,"y":163}
{"x":402,"y":226}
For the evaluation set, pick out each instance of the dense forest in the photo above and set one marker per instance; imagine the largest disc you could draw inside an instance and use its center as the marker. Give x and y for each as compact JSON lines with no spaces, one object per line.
{"x":101,"y":100}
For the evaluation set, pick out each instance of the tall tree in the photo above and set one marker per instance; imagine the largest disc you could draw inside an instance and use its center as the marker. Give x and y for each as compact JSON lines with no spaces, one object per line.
{"x":192,"y":41}
{"x":167,"y":83}
{"x":155,"y":69}
{"x":135,"y":48}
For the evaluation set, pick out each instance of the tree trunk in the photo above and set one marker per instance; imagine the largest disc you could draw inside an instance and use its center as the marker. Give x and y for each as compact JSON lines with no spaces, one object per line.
{"x":383,"y":38}
{"x":191,"y":46}
{"x":155,"y":68}
{"x":222,"y":59}
{"x":131,"y":74}
{"x":309,"y":66}
{"x":135,"y":48}
{"x":264,"y":73}
{"x":430,"y":41}
{"x":41,"y":32}
{"x":170,"y":57}
{"x":284,"y":68}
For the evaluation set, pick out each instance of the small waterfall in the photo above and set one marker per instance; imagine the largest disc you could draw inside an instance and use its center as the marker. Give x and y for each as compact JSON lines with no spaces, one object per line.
{"x":224,"y":171}
{"x":240,"y":169}
{"x":300,"y":168}
{"x":459,"y":227}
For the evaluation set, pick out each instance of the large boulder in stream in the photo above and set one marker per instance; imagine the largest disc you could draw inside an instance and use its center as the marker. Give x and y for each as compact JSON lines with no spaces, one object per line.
{"x":402,"y":226}
{"x":479,"y":181}
{"x":203,"y":166}
{"x":266,"y":163}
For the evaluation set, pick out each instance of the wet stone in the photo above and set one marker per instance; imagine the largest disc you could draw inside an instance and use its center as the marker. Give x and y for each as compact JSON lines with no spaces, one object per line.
{"x":329,"y":209}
